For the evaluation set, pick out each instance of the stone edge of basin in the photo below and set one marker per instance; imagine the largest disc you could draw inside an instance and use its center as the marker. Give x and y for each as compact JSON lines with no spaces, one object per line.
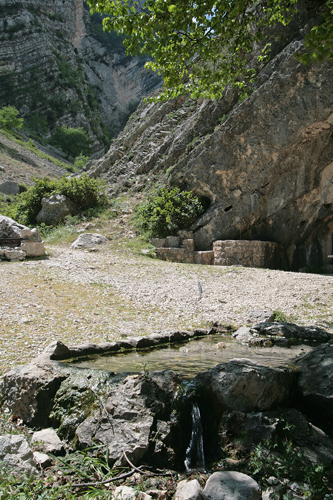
{"x":58,"y":351}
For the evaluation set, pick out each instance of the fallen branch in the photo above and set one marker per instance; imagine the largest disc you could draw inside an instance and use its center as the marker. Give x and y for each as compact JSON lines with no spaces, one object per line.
{"x":112,"y":479}
{"x":149,"y":474}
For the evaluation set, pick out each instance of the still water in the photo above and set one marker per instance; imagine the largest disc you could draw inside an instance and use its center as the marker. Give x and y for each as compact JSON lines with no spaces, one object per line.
{"x":192,"y":357}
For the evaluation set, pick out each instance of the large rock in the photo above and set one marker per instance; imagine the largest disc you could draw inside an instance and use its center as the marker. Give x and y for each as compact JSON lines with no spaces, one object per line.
{"x":48,"y":441}
{"x":188,"y":490}
{"x":28,"y":391}
{"x":315,"y":385}
{"x":9,"y":187}
{"x":231,"y":486}
{"x":245,"y":386}
{"x":54,"y":210}
{"x":89,"y":240}
{"x":29,"y":240}
{"x":133,"y":418}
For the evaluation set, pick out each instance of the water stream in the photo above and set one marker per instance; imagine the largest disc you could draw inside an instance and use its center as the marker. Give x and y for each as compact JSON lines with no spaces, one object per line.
{"x":195,"y":457}
{"x":191,"y":357}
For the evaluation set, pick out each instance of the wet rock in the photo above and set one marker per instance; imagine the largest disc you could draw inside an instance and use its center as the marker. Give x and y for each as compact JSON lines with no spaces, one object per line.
{"x":15,"y":450}
{"x":54,"y":209}
{"x":188,"y":490}
{"x":77,"y":397}
{"x":245,"y":386}
{"x":292,"y":331}
{"x":89,"y":240}
{"x":315,"y":385}
{"x":231,"y":486}
{"x":48,"y":442}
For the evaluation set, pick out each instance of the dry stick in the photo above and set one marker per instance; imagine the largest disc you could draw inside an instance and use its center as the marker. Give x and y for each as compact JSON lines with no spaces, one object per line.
{"x":149,"y":474}
{"x":122,"y":476}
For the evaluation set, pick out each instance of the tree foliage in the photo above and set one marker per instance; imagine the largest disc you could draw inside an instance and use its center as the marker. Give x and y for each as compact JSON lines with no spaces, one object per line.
{"x":72,"y":141}
{"x":9,"y":118}
{"x":166,"y":212}
{"x":197,"y":46}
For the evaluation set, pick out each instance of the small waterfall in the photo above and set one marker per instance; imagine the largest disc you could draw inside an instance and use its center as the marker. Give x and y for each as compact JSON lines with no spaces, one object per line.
{"x":195,"y":457}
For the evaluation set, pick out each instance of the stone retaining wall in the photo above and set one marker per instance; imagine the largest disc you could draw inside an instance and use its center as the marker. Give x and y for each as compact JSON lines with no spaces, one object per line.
{"x":245,"y":253}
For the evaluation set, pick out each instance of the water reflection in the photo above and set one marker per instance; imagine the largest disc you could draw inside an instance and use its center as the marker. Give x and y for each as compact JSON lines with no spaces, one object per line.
{"x":192,"y":357}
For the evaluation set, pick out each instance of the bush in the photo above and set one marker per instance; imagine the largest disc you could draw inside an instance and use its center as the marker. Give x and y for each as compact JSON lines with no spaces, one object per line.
{"x":85,"y":193}
{"x":166,"y":212}
{"x":9,"y":118}
{"x":72,"y":141}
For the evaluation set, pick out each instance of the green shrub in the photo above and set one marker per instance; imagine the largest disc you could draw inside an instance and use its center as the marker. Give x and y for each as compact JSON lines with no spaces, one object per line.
{"x":80,"y":161}
{"x":85,"y":193}
{"x":166,"y":212}
{"x":9,"y":118}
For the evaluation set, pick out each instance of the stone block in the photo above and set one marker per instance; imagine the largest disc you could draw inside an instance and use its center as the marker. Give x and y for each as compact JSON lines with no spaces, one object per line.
{"x":204,"y":258}
{"x":158,"y":242}
{"x":33,"y":248}
{"x":189,"y":245}
{"x":248,"y":253}
{"x":171,"y":254}
{"x":185,"y":235}
{"x":172,"y":241}
{"x":14,"y":253}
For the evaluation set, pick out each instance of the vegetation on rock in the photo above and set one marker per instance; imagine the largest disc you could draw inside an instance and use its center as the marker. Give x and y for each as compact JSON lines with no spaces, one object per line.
{"x":85,"y":193}
{"x":9,"y":118}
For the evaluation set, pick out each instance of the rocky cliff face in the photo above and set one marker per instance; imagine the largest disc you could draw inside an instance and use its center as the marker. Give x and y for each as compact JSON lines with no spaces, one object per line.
{"x":266,"y":164}
{"x":57,"y":66}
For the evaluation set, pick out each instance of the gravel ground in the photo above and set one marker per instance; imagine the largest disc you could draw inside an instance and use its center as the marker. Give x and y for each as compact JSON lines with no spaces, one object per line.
{"x":78,"y":297}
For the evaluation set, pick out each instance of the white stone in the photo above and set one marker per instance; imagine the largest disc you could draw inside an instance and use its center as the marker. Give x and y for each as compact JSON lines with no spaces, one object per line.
{"x":188,"y":490}
{"x":47,"y":441}
{"x":89,"y":240}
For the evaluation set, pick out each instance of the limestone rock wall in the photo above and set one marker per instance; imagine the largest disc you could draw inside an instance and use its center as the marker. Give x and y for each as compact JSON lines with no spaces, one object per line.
{"x":58,"y":67}
{"x":266,"y":164}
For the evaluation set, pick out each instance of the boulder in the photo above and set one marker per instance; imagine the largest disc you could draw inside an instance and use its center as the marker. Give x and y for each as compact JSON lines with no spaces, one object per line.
{"x":28,"y":391}
{"x":11,"y":229}
{"x":231,"y":486}
{"x":15,"y":450}
{"x":188,"y":490}
{"x":9,"y":188}
{"x":54,"y":210}
{"x":42,"y":459}
{"x":315,"y":385}
{"x":292,"y":331}
{"x":48,"y":441}
{"x":133,"y":418}
{"x":245,"y":386}
{"x":89,"y":240}
{"x":14,"y":253}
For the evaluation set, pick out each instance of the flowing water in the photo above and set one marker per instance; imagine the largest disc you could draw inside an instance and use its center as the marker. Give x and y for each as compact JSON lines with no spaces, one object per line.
{"x":192,"y":357}
{"x":195,"y":458}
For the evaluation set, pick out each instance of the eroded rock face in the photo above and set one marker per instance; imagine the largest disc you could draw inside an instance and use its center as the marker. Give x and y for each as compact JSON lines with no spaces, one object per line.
{"x":265,"y":164}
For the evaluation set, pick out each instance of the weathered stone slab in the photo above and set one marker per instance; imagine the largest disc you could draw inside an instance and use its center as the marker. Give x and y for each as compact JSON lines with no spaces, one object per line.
{"x":248,"y":253}
{"x":189,"y":245}
{"x":171,"y":254}
{"x":33,"y":248}
{"x":14,"y":253}
{"x":204,"y":258}
{"x":158,"y":242}
{"x":172,"y":241}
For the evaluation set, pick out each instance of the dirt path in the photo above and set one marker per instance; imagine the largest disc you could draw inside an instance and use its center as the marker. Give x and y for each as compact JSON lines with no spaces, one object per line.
{"x":79,"y":296}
